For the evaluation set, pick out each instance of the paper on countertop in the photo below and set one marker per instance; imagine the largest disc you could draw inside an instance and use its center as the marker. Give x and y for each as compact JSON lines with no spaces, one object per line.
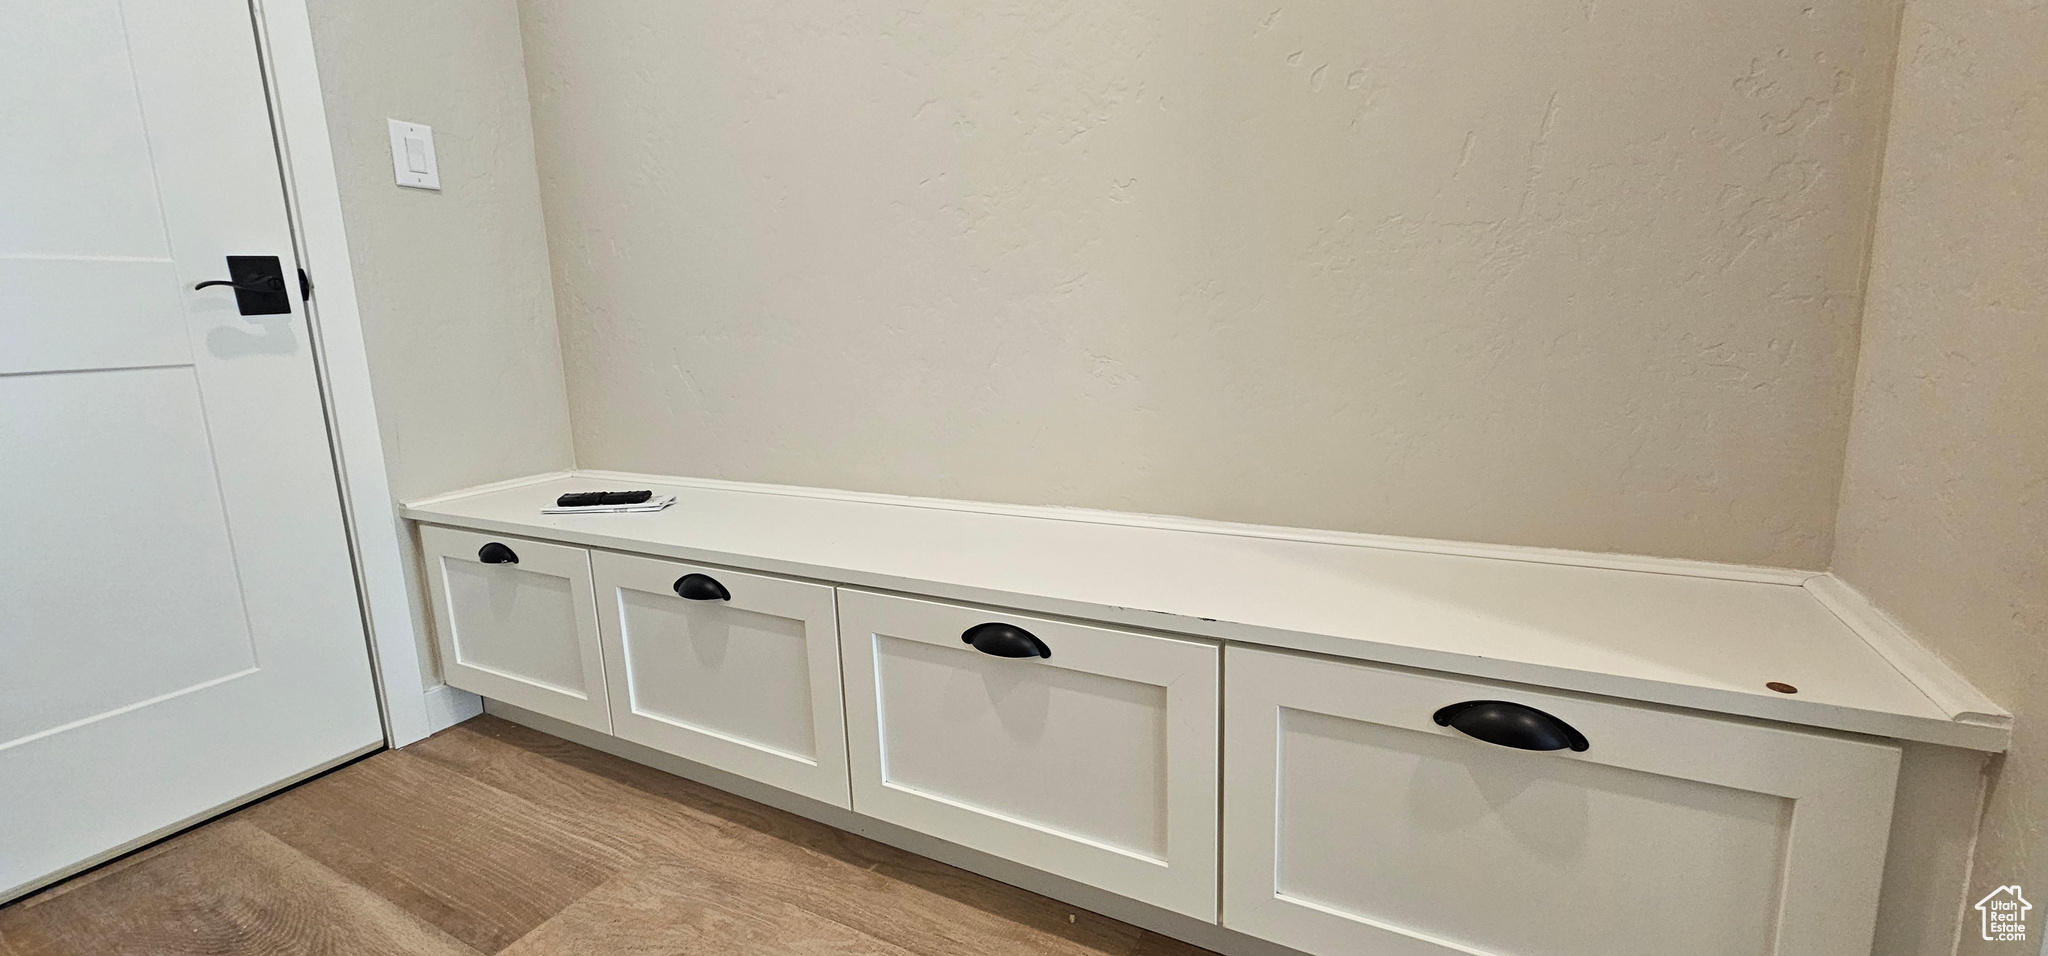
{"x":651,"y":504}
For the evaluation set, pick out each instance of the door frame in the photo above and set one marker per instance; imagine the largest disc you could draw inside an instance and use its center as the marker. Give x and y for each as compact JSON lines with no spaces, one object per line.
{"x":413,"y":701}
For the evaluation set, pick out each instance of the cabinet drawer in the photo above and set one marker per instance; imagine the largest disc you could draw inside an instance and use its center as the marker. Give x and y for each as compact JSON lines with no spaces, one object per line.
{"x":1354,"y":822}
{"x":1097,"y":763}
{"x":514,"y":621}
{"x":737,"y":671}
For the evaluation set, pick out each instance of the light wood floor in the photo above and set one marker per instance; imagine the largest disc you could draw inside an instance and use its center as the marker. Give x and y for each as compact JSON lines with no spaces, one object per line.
{"x":491,"y":838}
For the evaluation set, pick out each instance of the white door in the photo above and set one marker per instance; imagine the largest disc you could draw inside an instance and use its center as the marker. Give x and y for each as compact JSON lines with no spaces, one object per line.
{"x":1079,"y":750}
{"x":1379,"y":810}
{"x":737,"y":671}
{"x":178,"y":621}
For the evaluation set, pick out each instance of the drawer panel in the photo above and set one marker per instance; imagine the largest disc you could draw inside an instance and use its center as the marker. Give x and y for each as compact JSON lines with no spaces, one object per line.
{"x":1355,"y":822}
{"x":747,"y":682}
{"x":940,"y":731}
{"x":520,"y":628}
{"x":1097,"y":763}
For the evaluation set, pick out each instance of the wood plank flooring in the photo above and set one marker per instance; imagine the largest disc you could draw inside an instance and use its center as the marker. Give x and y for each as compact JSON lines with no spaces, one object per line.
{"x":491,"y":838}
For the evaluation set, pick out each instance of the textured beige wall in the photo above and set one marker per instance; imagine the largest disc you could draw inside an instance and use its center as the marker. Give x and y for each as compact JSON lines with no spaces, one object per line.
{"x":457,"y":303}
{"x":1565,"y":272}
{"x":457,"y":307}
{"x":1944,"y":515}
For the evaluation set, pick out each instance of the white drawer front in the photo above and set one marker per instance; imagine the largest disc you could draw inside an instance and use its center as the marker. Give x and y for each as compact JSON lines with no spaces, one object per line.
{"x":1097,"y":763}
{"x":522,"y":629}
{"x":1355,"y":823}
{"x":747,"y":682}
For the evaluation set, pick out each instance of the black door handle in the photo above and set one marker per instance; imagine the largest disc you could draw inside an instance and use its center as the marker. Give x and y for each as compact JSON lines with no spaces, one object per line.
{"x":1511,"y":725}
{"x":701,"y":587}
{"x":495,"y":553}
{"x":259,"y":285}
{"x":270,"y":286}
{"x":1004,"y":640}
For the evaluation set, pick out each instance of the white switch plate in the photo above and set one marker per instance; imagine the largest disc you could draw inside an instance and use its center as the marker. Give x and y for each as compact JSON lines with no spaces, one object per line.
{"x":412,"y":155}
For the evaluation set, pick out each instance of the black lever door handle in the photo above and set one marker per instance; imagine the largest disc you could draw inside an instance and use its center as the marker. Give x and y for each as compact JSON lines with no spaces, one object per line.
{"x":701,"y":587}
{"x":1511,"y":725}
{"x":495,"y":553}
{"x":259,"y":285}
{"x":1004,"y":640}
{"x":266,"y":285}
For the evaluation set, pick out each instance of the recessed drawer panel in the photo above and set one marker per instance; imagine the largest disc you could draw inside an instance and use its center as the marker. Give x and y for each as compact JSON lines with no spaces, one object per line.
{"x":1079,"y":750}
{"x":514,"y":621}
{"x":738,"y":671}
{"x":1356,"y":821}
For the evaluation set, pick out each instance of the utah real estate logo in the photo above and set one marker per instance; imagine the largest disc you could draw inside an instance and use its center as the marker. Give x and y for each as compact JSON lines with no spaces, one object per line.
{"x":2004,"y":915}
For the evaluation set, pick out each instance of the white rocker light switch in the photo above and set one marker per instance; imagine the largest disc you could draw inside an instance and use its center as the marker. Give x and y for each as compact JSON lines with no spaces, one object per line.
{"x":412,"y":155}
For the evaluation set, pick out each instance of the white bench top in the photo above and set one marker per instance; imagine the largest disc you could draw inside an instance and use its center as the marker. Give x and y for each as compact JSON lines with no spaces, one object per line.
{"x":1687,"y":634}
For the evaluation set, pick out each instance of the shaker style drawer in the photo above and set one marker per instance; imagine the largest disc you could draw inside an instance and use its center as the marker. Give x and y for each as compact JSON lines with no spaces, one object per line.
{"x":736,"y":671}
{"x":514,"y":621}
{"x":1373,"y":809}
{"x":1078,"y":750}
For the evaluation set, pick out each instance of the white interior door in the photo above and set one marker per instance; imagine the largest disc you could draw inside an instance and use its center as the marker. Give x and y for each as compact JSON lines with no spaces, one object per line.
{"x":178,"y":622}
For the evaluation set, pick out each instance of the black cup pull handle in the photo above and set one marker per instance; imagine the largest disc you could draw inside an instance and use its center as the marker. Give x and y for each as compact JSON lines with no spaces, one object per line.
{"x":495,"y":553}
{"x":1004,"y":640}
{"x":701,"y":587}
{"x":1511,"y":725}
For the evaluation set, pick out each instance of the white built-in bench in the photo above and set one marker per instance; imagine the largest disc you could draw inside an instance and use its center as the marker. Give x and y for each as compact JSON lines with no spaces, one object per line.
{"x":1340,"y":743}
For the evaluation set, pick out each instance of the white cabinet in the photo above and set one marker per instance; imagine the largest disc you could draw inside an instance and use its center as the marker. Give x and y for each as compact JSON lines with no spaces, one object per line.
{"x":1097,"y":762}
{"x":514,"y":620}
{"x":1264,"y":772}
{"x":1355,"y":823}
{"x":737,"y":671}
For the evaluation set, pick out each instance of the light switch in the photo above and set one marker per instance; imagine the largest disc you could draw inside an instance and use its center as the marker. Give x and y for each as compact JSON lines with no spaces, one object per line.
{"x":412,"y":155}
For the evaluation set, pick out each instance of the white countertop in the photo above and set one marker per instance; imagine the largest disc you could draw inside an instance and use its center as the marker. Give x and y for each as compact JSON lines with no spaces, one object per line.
{"x":1691,"y":635}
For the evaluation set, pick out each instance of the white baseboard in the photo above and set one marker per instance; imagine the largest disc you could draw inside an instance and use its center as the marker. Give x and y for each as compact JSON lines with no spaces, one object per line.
{"x":447,"y":707}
